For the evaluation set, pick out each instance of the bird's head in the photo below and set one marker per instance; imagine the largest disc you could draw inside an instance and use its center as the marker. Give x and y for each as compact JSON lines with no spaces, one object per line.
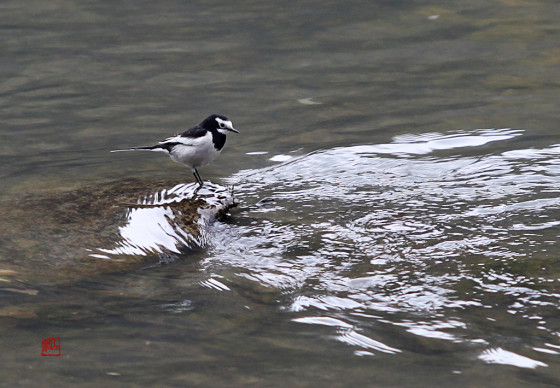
{"x":219,"y":122}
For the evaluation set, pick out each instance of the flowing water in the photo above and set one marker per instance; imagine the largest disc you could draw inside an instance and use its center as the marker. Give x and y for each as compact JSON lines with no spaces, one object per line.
{"x":396,"y":174}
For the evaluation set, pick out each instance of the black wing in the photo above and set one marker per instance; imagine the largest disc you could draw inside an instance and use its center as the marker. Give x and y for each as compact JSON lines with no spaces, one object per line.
{"x":194,"y":132}
{"x":185,"y":138}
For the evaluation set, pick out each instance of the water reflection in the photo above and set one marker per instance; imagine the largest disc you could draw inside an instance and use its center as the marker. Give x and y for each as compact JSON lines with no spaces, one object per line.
{"x":169,"y":220}
{"x":347,"y":333}
{"x":429,"y":234}
{"x":504,"y":357}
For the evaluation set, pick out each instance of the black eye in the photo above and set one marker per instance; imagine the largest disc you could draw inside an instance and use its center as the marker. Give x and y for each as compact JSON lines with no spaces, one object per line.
{"x":222,"y":125}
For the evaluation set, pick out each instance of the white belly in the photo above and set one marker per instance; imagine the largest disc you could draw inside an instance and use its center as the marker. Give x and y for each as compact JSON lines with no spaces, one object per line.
{"x":200,"y":153}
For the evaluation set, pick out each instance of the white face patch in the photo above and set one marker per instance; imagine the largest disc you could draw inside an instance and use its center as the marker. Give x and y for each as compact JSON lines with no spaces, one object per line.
{"x":222,"y":124}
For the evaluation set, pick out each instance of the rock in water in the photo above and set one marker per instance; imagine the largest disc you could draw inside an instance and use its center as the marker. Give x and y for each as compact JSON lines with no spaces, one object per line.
{"x":169,"y":220}
{"x":105,"y":228}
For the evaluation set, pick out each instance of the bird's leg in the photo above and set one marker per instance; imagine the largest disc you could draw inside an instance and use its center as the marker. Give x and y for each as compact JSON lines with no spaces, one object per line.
{"x":197,"y":176}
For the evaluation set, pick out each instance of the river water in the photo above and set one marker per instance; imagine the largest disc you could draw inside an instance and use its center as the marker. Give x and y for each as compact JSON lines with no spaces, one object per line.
{"x":397,"y":179}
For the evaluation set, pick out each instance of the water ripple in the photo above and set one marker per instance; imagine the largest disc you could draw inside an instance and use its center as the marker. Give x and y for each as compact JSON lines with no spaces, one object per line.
{"x":435,"y":234}
{"x":167,"y":220}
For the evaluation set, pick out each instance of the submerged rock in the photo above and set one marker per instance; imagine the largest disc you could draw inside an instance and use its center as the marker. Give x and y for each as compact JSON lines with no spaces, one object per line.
{"x":77,"y":234}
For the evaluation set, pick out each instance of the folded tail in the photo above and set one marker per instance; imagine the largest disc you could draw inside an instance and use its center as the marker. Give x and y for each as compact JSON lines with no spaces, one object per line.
{"x":157,"y":147}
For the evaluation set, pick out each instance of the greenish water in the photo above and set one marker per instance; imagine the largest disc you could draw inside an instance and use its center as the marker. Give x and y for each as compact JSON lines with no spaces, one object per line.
{"x":385,"y":236}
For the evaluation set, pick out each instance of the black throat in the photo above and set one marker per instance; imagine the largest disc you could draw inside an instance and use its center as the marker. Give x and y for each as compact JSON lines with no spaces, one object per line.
{"x":218,"y":138}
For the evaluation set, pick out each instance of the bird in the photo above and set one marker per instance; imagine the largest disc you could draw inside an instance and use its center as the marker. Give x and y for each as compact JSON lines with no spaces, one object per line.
{"x":197,"y":146}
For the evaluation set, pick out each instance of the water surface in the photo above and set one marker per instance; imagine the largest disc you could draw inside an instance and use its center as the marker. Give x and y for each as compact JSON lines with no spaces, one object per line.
{"x":396,"y":172}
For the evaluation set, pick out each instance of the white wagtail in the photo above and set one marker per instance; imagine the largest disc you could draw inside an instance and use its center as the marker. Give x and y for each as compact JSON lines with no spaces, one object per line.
{"x":197,"y":146}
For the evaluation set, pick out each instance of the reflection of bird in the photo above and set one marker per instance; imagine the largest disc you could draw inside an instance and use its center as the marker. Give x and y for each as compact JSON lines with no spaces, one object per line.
{"x":197,"y":146}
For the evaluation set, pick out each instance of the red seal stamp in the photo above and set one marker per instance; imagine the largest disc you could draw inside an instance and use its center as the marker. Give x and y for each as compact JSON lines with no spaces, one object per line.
{"x":50,"y":346}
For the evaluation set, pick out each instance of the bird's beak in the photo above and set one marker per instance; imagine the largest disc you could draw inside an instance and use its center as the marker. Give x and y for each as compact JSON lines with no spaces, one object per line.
{"x":233,"y":129}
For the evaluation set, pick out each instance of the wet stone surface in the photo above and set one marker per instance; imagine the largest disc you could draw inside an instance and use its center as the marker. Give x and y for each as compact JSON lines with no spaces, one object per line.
{"x":70,"y":235}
